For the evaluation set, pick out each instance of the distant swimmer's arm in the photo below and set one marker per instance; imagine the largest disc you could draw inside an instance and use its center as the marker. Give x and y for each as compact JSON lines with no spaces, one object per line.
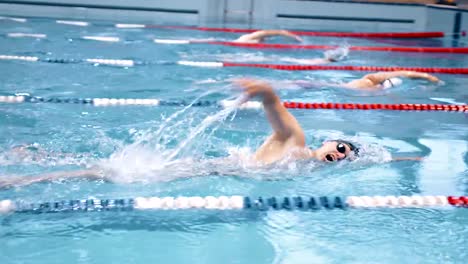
{"x":407,"y":158}
{"x":284,"y":124}
{"x":19,"y":181}
{"x":262,"y":34}
{"x":371,"y":81}
{"x":379,"y":77}
{"x":316,"y":61}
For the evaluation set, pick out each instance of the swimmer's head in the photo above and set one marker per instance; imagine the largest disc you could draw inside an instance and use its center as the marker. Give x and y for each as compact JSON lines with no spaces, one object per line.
{"x":337,"y":54}
{"x":391,"y":82}
{"x":336,"y":150}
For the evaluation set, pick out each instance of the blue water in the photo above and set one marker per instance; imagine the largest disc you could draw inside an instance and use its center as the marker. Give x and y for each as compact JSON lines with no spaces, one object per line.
{"x":134,"y":142}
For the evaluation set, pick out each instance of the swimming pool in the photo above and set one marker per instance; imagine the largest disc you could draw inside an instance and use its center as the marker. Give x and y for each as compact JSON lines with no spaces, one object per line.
{"x":137,"y":141}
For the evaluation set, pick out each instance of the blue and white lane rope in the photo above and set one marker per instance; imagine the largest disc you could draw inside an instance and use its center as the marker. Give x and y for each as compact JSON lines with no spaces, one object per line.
{"x":26,"y":98}
{"x":110,"y":62}
{"x":234,"y":203}
{"x":124,"y":102}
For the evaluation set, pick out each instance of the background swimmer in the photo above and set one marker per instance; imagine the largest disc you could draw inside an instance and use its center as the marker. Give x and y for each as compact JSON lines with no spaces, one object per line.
{"x":329,"y":56}
{"x":261,"y":35}
{"x":375,"y":81}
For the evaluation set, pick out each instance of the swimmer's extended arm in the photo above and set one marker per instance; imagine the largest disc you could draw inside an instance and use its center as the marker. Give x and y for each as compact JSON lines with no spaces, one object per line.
{"x":373,"y":80}
{"x":379,"y":77}
{"x":261,"y":34}
{"x":18,"y":181}
{"x":284,"y":124}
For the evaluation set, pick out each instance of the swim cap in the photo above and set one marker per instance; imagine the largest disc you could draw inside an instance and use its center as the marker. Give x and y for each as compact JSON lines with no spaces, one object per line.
{"x":337,"y":54}
{"x":391,"y":82}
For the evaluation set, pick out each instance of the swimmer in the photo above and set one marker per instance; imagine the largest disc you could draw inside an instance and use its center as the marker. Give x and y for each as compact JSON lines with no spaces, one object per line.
{"x":375,"y":81}
{"x":334,"y":55}
{"x":329,"y":56}
{"x":286,"y":143}
{"x":261,"y":35}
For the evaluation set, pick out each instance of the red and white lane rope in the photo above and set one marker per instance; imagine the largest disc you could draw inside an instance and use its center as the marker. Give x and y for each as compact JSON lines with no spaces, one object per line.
{"x":288,"y":67}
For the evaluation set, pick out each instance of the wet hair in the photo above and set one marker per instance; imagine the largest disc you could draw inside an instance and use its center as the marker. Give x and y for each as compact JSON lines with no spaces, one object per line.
{"x":351,"y":146}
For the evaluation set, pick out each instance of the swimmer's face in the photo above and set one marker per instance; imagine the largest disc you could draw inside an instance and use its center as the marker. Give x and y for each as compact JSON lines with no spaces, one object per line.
{"x":332,"y":151}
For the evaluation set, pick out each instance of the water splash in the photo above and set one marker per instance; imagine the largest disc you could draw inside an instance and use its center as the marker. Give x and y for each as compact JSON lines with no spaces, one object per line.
{"x":170,"y":151}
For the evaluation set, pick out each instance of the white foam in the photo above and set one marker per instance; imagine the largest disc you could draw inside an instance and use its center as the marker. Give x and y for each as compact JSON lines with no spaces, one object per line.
{"x":206,"y":64}
{"x":171,"y":41}
{"x":6,"y":206}
{"x":73,"y":23}
{"x":26,"y":35}
{"x":102,"y":38}
{"x":446,"y":100}
{"x":24,"y":58}
{"x":123,"y":63}
{"x":16,"y":19}
{"x":150,"y":157}
{"x":129,"y":25}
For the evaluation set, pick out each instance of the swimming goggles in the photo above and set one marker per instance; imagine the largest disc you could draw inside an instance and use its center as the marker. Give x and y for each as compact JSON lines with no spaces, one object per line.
{"x":341,"y":148}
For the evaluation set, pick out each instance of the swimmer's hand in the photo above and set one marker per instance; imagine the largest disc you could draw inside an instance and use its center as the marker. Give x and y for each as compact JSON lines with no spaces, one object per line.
{"x":433,"y":79}
{"x":292,"y":35}
{"x":253,"y":88}
{"x":421,"y":75}
{"x":298,"y":39}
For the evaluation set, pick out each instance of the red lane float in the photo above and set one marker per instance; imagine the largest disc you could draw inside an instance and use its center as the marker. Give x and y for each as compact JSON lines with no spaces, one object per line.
{"x":288,"y":67}
{"x":327,"y":47}
{"x":458,"y":201}
{"x":397,"y":107}
{"x":319,"y":33}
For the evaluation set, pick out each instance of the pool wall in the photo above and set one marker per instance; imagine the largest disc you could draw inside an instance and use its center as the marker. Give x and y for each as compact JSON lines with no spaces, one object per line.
{"x":312,"y":14}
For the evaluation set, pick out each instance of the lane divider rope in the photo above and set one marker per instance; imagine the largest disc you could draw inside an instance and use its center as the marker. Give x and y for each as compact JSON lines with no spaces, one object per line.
{"x":229,"y":103}
{"x":289,"y":67}
{"x":459,"y":50}
{"x":208,"y":64}
{"x":235,"y":203}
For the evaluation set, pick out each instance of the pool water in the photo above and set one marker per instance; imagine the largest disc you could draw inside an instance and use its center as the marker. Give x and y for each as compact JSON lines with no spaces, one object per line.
{"x":177,"y":151}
